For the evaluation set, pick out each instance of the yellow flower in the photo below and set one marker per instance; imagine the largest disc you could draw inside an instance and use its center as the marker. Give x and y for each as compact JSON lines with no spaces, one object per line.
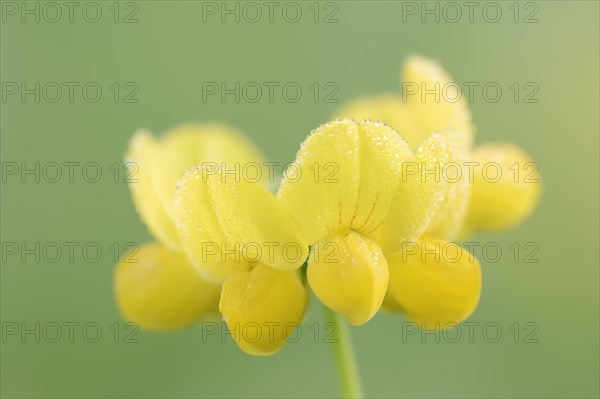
{"x":370,"y":211}
{"x":236,"y":231}
{"x":429,"y":286}
{"x":352,"y":203}
{"x":338,"y":196}
{"x":157,"y":287}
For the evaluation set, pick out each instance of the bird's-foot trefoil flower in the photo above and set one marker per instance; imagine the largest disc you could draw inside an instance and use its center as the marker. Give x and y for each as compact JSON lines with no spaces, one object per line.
{"x":367,"y":216}
{"x":369,"y":208}
{"x":237,"y":231}
{"x":433,"y":289}
{"x":360,"y":204}
{"x":157,"y":287}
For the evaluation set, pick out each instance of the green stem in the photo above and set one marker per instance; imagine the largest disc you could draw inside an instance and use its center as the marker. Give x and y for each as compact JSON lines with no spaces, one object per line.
{"x":345,"y":358}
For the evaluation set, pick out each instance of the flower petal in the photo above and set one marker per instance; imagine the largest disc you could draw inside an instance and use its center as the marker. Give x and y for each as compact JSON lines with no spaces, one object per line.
{"x":322,"y":186}
{"x":202,"y":237}
{"x":161,"y":162}
{"x":349,"y":172}
{"x":262,"y":306}
{"x":382,"y":153}
{"x":418,"y":196}
{"x":348,"y":273}
{"x":426,"y":105}
{"x":449,"y":219}
{"x":429,"y":94}
{"x":225,"y":222}
{"x":388,"y":108}
{"x":158,"y":289}
{"x":142,"y":159}
{"x":502,"y":202}
{"x":435,"y":282}
{"x":259,"y":222}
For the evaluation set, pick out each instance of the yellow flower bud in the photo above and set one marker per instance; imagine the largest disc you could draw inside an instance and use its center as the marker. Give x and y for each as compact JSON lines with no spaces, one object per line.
{"x":162,"y":291}
{"x":349,"y":274}
{"x":262,"y":306}
{"x":501,"y":202}
{"x":436,"y":283}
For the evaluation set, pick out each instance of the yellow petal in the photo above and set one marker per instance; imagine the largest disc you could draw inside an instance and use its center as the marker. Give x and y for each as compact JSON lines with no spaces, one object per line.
{"x":322,"y":186}
{"x":262,"y":307}
{"x":141,"y":159}
{"x":415,"y":113}
{"x":433,"y":112}
{"x":449,"y":219}
{"x":192,"y":145}
{"x":349,"y":172}
{"x":162,"y":291}
{"x":259,"y":222}
{"x":382,"y":153}
{"x":387,"y":108}
{"x":418,"y":196}
{"x":435,"y":282}
{"x":226,"y":223}
{"x":161,"y":162}
{"x":500,"y":202}
{"x":202,"y":237}
{"x":348,"y":273}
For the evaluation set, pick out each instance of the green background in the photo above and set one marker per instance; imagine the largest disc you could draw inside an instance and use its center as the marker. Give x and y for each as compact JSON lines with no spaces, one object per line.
{"x":169,"y":53}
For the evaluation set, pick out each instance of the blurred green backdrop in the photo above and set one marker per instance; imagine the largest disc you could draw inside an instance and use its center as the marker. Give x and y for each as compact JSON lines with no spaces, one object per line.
{"x":168,"y":53}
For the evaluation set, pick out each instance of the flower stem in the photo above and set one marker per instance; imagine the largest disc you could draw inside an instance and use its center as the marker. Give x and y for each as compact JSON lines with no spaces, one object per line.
{"x":345,"y":358}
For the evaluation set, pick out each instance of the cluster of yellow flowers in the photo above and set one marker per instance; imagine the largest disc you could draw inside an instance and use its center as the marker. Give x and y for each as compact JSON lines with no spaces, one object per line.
{"x":369,"y":226}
